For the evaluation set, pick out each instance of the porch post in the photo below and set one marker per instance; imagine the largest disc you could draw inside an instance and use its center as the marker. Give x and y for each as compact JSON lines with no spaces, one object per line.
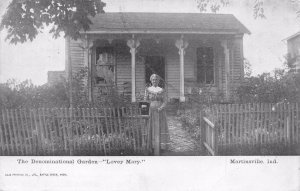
{"x":224,"y":44}
{"x":133,"y":44}
{"x":181,"y":44}
{"x":88,"y":63}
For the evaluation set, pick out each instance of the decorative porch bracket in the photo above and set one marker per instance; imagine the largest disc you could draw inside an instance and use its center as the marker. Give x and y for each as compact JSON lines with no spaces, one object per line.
{"x":224,"y":44}
{"x":181,"y":44}
{"x":133,"y":44}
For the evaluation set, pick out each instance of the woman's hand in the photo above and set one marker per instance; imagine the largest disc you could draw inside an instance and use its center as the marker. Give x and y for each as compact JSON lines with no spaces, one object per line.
{"x":160,"y":108}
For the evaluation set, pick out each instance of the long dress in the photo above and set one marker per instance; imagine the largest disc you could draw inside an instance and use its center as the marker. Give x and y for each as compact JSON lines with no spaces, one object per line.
{"x":157,"y":98}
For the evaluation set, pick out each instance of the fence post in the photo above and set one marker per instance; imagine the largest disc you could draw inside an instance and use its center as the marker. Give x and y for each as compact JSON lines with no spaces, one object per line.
{"x":70,"y":130}
{"x":288,"y":130}
{"x":215,"y":132}
{"x":202,"y":126}
{"x":156,"y":130}
{"x":216,"y":136}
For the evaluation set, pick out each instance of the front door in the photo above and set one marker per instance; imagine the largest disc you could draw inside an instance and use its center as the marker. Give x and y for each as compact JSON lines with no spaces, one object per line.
{"x":155,"y":65}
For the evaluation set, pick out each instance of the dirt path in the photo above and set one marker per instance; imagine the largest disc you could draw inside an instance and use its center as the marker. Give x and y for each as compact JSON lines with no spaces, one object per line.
{"x":182,"y":143}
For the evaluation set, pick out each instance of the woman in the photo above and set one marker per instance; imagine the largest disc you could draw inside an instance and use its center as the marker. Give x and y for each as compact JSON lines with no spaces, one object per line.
{"x":158,"y":122}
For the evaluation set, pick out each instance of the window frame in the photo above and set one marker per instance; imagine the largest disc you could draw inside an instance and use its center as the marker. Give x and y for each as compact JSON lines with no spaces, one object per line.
{"x":213,"y":62}
{"x":113,"y":64}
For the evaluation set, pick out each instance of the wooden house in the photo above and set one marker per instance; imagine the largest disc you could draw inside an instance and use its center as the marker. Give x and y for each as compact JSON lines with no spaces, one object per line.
{"x":185,"y":49}
{"x":293,"y":49}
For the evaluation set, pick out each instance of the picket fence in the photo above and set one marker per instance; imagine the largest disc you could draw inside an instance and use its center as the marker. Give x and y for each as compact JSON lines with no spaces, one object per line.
{"x":227,"y":126}
{"x":73,"y":131}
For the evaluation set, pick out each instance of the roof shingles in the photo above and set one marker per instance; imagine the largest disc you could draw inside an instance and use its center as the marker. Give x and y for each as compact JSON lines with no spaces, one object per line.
{"x":197,"y":22}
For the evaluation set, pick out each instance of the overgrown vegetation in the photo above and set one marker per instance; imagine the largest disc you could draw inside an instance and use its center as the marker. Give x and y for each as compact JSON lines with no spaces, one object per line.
{"x":14,"y":94}
{"x":188,"y":114}
{"x":279,"y":87}
{"x":190,"y":121}
{"x":24,"y":94}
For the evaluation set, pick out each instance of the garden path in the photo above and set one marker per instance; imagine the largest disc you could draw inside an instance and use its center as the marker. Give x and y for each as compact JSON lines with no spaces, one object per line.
{"x":182,"y":144}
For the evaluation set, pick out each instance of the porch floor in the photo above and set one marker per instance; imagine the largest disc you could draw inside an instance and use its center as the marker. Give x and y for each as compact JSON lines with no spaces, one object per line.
{"x":182,"y":144}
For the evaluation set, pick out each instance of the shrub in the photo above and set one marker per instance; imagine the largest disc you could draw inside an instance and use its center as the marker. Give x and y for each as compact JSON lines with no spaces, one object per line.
{"x":15,"y":94}
{"x":25,"y":94}
{"x":282,"y":86}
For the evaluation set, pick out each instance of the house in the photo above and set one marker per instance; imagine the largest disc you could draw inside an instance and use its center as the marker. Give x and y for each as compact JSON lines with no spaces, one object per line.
{"x":185,"y":49}
{"x":55,"y":77}
{"x":293,"y":49}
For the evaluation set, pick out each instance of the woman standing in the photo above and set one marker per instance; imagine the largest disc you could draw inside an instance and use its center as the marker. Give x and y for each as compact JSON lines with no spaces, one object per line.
{"x":158,"y":134}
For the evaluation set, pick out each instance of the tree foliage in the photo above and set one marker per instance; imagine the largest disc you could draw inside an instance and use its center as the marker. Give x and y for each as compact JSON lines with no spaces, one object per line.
{"x":24,"y":19}
{"x":247,"y":68}
{"x":215,"y":5}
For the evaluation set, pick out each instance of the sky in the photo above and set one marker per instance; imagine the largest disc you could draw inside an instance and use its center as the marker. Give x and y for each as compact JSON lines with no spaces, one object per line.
{"x":264,"y":47}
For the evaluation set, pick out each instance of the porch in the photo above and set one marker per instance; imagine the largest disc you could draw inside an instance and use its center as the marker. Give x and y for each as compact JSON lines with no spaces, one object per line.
{"x":184,"y":62}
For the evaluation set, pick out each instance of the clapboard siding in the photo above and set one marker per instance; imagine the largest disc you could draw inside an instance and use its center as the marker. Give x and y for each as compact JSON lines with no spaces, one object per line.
{"x":77,"y":55}
{"x":124,"y":72}
{"x":237,"y":63}
{"x":173,"y":72}
{"x":189,"y":62}
{"x":217,"y":69}
{"x":236,"y":67}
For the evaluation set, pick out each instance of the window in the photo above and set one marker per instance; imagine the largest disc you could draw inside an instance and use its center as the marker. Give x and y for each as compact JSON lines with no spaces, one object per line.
{"x":104,"y":66}
{"x":205,"y":65}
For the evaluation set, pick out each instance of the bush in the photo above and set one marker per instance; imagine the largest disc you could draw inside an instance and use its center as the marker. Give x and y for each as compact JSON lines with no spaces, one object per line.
{"x":282,"y":86}
{"x":202,"y":96}
{"x":15,"y":94}
{"x":25,"y":94}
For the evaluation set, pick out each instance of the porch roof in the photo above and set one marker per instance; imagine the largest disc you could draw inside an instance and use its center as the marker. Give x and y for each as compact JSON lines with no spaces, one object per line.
{"x":134,"y":22}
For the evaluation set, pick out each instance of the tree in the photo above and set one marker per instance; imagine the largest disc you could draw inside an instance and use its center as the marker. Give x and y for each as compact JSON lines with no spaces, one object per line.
{"x":24,"y":19}
{"x":258,"y":6}
{"x":247,"y":68}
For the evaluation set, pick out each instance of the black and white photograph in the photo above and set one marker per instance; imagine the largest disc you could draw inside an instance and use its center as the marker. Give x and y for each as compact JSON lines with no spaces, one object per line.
{"x":152,"y":79}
